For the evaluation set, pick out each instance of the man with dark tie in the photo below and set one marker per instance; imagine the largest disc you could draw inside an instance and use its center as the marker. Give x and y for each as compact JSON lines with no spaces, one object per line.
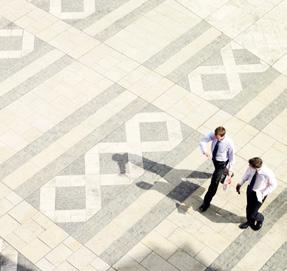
{"x":222,"y":149}
{"x":261,"y":183}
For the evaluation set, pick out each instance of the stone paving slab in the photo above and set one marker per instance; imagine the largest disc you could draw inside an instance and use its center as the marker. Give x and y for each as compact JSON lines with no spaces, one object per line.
{"x":102,"y":106}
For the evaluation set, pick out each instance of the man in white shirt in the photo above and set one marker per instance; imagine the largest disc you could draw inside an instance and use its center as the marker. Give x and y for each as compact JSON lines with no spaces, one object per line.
{"x":222,"y":149}
{"x":261,"y":183}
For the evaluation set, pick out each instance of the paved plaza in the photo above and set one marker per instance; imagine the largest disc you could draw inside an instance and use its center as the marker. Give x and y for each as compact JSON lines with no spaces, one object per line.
{"x":103,"y":104}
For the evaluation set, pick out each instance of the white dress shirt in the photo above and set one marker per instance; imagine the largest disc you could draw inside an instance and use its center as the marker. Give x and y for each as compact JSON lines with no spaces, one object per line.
{"x":225,"y":148}
{"x":265,"y":181}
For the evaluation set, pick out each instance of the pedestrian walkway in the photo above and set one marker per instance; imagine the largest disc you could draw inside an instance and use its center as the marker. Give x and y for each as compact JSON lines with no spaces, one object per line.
{"x":102,"y":107}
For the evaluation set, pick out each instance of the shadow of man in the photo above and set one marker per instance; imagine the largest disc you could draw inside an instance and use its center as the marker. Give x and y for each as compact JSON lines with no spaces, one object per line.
{"x":7,"y":264}
{"x":181,"y":184}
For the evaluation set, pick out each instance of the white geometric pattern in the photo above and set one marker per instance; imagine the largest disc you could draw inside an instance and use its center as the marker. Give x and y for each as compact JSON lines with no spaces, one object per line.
{"x":56,"y":9}
{"x":229,"y":68}
{"x":133,"y":147}
{"x":93,"y":198}
{"x":27,"y":43}
{"x":93,"y":179}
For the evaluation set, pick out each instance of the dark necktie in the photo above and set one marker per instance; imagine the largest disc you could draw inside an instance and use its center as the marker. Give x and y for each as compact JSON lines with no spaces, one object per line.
{"x":253,"y":180}
{"x":214,"y":152}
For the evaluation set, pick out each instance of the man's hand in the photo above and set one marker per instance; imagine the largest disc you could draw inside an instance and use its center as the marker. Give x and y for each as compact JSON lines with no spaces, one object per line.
{"x":238,"y":188}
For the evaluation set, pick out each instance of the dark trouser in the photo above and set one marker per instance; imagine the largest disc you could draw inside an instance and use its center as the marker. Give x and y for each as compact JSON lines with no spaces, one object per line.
{"x":215,"y":179}
{"x":254,"y":218}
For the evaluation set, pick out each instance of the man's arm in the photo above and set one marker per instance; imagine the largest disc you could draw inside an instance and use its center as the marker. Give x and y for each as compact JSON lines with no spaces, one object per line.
{"x":245,"y":177}
{"x":231,"y":157}
{"x":272,"y":184}
{"x":204,"y":141}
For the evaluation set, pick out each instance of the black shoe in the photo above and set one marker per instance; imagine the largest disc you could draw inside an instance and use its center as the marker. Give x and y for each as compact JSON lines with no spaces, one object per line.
{"x":244,"y":225}
{"x":203,"y":208}
{"x":257,"y":226}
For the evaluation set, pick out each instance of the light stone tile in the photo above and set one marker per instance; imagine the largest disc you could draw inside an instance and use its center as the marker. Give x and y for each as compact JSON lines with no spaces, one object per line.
{"x":53,"y":236}
{"x":185,"y":262}
{"x":145,"y":83}
{"x":119,"y":225}
{"x":74,"y":42}
{"x":29,"y":169}
{"x":274,"y":157}
{"x":189,"y":111}
{"x":188,"y":51}
{"x":35,"y":250}
{"x":281,"y":64}
{"x":45,"y":265}
{"x":59,"y":254}
{"x":281,"y":172}
{"x":249,"y":151}
{"x":16,"y":9}
{"x":166,"y":228}
{"x":23,"y":212}
{"x":81,"y":258}
{"x":244,"y":136}
{"x":237,"y":15}
{"x":112,"y":17}
{"x":29,"y":70}
{"x":231,"y":231}
{"x":66,"y":267}
{"x":15,"y":241}
{"x":4,"y":190}
{"x":100,"y":265}
{"x":185,"y":241}
{"x":53,"y":30}
{"x":139,"y":252}
{"x":277,"y":129}
{"x":75,"y":86}
{"x":153,"y":262}
{"x":265,"y":97}
{"x":128,"y":264}
{"x":108,"y":62}
{"x":159,"y":244}
{"x":212,"y":239}
{"x":206,"y":256}
{"x":5,"y":206}
{"x":264,"y":249}
{"x":170,"y":97}
{"x":203,"y":8}
{"x":218,"y":119}
{"x":36,"y":21}
{"x":155,"y":30}
{"x":233,"y":126}
{"x":72,"y":243}
{"x":89,"y":268}
{"x":42,"y":220}
{"x":267,"y":37}
{"x":29,"y":231}
{"x":186,"y":223}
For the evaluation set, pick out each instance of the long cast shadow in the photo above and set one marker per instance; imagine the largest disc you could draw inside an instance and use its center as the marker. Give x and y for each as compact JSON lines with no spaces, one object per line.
{"x":7,"y":264}
{"x":177,"y":188}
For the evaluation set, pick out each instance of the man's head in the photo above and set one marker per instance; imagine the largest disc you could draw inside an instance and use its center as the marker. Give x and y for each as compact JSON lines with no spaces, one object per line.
{"x":219,"y":133}
{"x":255,"y":162}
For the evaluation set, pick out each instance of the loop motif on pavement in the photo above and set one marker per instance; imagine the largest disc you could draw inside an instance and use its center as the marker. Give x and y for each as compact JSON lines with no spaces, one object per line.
{"x":56,"y":8}
{"x":93,"y":178}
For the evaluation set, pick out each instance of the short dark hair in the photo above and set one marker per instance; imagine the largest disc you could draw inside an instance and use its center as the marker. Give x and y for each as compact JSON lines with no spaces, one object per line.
{"x":220,"y":131}
{"x":255,"y":162}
